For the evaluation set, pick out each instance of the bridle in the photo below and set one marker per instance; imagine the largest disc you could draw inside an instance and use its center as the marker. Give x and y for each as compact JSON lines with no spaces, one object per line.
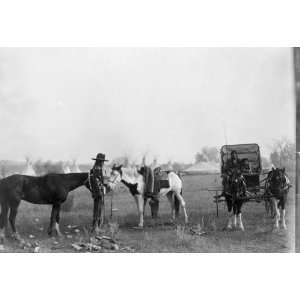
{"x":236,"y":181}
{"x":277,"y":183}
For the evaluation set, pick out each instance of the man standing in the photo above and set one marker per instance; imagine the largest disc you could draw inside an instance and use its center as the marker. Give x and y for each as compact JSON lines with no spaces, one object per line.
{"x":96,"y":178}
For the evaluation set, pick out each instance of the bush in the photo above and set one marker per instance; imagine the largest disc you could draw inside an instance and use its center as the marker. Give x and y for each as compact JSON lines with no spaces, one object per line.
{"x":47,"y":167}
{"x":283,"y":155}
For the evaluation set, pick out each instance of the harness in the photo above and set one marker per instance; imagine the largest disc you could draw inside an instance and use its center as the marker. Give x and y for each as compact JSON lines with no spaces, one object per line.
{"x":229,"y":180}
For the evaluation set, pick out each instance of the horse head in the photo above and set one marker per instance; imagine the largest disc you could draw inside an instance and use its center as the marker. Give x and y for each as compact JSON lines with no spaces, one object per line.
{"x":115,"y":176}
{"x":277,"y":181}
{"x":237,"y":184}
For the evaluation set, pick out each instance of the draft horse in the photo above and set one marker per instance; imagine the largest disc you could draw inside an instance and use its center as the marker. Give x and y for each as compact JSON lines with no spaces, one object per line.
{"x":235,"y":192}
{"x":277,"y":187}
{"x":135,"y":182}
{"x":51,"y":189}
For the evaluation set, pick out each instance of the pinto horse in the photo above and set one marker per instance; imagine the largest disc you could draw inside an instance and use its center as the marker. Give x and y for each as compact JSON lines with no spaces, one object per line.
{"x":235,"y":191}
{"x":51,"y":189}
{"x":277,"y":187}
{"x":135,"y":182}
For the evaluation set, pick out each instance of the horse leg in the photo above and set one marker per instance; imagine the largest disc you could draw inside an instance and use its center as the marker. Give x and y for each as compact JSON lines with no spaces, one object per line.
{"x":230,"y":209}
{"x":182,"y":203}
{"x":145,"y":203}
{"x":53,"y":226}
{"x":170,"y":197}
{"x":3,"y":221}
{"x":282,"y":218}
{"x":57,"y":218}
{"x":12,"y":221}
{"x":267,"y":208}
{"x":277,"y":214}
{"x":234,"y":214}
{"x":140,"y":206}
{"x":52,"y":218}
{"x":282,"y":212}
{"x":240,"y":224}
{"x":270,"y":210}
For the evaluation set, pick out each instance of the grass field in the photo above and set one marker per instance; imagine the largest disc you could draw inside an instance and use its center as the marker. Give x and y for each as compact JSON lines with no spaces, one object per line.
{"x":162,"y":236}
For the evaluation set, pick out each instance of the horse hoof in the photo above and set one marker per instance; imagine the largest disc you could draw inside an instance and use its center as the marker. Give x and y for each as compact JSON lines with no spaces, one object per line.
{"x":59,"y":235}
{"x":16,"y":237}
{"x":137,"y":227}
{"x":50,"y":231}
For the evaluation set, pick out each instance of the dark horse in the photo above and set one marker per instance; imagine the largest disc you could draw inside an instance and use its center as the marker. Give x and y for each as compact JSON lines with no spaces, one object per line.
{"x":51,"y":189}
{"x":277,"y":187}
{"x":235,"y":191}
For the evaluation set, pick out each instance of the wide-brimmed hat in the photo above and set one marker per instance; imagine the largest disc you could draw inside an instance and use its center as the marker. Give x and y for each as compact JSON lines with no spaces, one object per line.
{"x":100,"y":156}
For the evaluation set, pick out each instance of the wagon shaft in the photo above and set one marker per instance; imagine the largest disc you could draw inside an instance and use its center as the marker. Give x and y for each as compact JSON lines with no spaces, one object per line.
{"x":256,"y":198}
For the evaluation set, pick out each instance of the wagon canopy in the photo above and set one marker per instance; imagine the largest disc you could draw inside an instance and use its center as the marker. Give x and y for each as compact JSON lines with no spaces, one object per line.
{"x":249,"y":151}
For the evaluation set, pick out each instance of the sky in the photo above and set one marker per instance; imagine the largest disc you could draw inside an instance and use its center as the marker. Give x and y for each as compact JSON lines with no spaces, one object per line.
{"x":71,"y":103}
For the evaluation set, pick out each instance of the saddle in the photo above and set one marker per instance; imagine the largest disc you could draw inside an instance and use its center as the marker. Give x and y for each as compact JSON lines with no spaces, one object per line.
{"x":161,"y":179}
{"x":154,"y":180}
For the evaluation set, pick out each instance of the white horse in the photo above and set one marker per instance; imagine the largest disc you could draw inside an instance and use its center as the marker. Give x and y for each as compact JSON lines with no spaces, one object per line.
{"x":136,"y":185}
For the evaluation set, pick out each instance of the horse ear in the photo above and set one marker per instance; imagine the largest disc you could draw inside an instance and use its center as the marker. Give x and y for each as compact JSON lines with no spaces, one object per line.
{"x":120,"y":167}
{"x":283,"y":170}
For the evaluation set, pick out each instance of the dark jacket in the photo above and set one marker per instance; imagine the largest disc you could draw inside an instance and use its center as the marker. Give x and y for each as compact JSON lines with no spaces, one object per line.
{"x":96,"y":180}
{"x":233,"y":165}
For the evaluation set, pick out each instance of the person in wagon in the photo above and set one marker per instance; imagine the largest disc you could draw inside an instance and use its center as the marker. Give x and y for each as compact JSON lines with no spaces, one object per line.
{"x":234,"y":163}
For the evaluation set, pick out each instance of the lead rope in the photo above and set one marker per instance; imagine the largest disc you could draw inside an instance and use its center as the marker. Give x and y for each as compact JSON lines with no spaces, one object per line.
{"x":111,"y":204}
